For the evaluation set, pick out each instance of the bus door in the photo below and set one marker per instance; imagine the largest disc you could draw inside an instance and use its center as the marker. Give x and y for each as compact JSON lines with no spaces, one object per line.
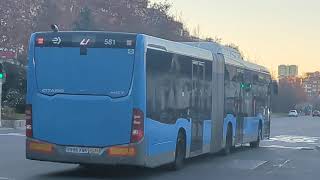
{"x":262,"y":106}
{"x":198,"y":75}
{"x":240,"y":120}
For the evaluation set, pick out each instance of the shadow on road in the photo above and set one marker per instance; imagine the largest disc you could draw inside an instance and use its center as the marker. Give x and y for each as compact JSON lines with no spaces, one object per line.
{"x":129,"y":172}
{"x":102,"y":172}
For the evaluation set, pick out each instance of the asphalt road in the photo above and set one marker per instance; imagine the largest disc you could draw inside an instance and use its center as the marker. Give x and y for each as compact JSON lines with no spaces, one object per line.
{"x":292,"y":153}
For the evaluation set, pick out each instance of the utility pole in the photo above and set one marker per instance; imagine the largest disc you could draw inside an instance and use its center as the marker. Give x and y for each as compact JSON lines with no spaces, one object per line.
{"x":1,"y":101}
{"x":2,"y":80}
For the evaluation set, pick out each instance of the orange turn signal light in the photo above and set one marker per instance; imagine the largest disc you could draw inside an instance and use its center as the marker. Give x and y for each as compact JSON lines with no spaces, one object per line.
{"x":122,"y":151}
{"x":40,"y":147}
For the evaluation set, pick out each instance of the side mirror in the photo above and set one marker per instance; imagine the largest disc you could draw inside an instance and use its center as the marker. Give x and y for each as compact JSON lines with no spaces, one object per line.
{"x":275,"y":87}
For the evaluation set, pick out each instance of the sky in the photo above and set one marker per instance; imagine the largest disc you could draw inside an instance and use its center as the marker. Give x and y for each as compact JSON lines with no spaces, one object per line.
{"x":269,"y":32}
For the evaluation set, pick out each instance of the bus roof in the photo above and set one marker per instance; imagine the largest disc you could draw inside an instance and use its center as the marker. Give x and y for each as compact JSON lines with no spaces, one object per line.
{"x":178,"y":48}
{"x":108,"y":32}
{"x":231,"y":55}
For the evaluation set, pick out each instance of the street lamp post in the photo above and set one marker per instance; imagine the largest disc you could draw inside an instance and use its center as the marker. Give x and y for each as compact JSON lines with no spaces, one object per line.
{"x":2,"y":80}
{"x":1,"y":101}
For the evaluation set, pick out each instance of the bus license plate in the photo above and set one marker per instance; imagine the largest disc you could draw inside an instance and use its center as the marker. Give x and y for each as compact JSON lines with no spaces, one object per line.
{"x":82,"y":150}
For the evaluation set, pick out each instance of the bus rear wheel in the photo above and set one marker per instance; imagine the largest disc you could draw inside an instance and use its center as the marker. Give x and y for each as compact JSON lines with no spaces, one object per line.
{"x":180,"y":154}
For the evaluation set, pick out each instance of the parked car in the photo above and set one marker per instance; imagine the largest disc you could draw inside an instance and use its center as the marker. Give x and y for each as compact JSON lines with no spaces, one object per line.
{"x":316,"y":113}
{"x":293,"y":113}
{"x":308,"y":113}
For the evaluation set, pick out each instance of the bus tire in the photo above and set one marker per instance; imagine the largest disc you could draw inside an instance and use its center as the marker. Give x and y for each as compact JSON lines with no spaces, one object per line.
{"x":256,"y":144}
{"x":180,"y":153}
{"x":228,"y":148}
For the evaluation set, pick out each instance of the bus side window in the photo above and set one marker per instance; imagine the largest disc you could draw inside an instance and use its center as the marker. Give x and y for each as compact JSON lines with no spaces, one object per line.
{"x":240,"y":75}
{"x":231,"y":95}
{"x":226,"y":75}
{"x":159,"y":85}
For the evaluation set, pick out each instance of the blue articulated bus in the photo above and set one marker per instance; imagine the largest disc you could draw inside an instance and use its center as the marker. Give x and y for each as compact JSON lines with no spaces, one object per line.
{"x":132,"y":99}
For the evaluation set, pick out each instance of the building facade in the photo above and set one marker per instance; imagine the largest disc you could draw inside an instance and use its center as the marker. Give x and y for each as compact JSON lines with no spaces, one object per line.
{"x":311,"y":84}
{"x":285,"y":71}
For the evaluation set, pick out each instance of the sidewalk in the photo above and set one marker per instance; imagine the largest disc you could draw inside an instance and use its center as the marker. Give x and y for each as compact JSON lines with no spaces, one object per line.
{"x":5,"y":129}
{"x":13,"y":124}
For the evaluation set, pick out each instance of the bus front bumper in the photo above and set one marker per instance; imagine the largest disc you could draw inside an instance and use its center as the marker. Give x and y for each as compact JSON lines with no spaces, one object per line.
{"x":130,"y":154}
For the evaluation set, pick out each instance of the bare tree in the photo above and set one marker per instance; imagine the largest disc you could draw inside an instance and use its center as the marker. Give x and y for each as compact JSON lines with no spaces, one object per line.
{"x":290,"y":94}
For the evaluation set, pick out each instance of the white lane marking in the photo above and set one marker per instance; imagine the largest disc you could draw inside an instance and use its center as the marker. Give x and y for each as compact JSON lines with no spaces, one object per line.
{"x":13,"y":134}
{"x":258,"y":165}
{"x":295,"y":139}
{"x":4,"y":178}
{"x":282,"y":164}
{"x":286,"y":147}
{"x":243,"y":164}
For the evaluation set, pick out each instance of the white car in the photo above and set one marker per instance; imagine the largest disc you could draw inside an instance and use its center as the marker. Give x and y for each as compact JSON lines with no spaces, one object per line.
{"x":293,"y":113}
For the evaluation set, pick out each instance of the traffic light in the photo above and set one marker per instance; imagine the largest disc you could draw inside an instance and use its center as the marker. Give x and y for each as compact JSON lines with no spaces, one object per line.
{"x":246,"y":86}
{"x":2,"y":73}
